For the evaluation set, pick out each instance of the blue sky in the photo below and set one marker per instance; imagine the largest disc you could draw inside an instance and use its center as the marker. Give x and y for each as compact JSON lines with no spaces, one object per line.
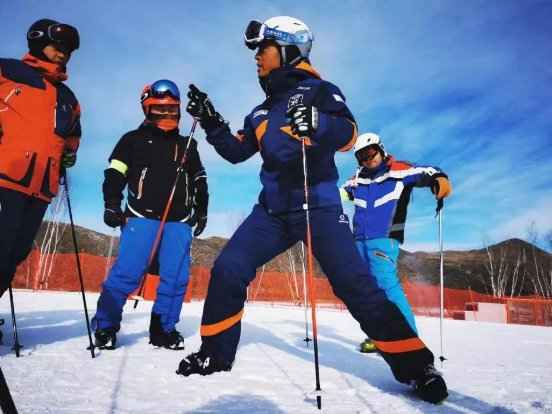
{"x":466,"y":86}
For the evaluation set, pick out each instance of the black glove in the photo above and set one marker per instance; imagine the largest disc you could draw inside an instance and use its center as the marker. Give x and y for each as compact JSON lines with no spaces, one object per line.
{"x":201,"y":223}
{"x":113,"y":215}
{"x":303,"y":120}
{"x":68,"y":159}
{"x":199,"y":220}
{"x":201,"y":108}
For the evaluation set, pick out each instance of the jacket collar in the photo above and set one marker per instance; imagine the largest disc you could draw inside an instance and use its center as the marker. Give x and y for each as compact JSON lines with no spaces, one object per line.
{"x":52,"y":71}
{"x":285,"y":78}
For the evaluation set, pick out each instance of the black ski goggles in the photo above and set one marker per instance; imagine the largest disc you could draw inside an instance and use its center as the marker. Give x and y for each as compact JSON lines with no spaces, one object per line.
{"x":59,"y":34}
{"x":256,"y":32}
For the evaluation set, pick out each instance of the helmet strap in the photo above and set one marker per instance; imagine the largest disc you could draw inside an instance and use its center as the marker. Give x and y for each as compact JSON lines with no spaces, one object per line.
{"x":293,"y":55}
{"x":38,"y":53}
{"x":289,"y":55}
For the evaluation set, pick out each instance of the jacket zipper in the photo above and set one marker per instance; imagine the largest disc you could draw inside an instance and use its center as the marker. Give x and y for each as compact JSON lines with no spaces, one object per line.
{"x":14,"y":91}
{"x":186,"y":189}
{"x":141,"y":182}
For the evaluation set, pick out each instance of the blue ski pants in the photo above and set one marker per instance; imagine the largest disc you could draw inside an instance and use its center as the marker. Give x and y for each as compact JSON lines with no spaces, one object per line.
{"x":263,"y":236}
{"x":20,"y":219}
{"x":137,"y":239}
{"x":382,"y":256}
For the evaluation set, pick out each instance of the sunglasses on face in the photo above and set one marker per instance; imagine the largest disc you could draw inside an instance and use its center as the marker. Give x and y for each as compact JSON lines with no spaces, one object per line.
{"x":367,"y":154}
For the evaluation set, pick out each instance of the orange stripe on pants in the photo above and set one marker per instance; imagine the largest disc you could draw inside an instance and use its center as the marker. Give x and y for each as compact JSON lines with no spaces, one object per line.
{"x":403,"y":345}
{"x":216,"y":328}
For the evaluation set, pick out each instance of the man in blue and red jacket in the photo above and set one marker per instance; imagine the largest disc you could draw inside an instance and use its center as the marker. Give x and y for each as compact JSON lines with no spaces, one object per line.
{"x":298,"y":104}
{"x":381,"y":191}
{"x":39,"y":134}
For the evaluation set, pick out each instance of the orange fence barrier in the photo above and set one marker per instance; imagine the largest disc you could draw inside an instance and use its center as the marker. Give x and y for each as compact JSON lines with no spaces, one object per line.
{"x":529,"y":311}
{"x":276,"y":287}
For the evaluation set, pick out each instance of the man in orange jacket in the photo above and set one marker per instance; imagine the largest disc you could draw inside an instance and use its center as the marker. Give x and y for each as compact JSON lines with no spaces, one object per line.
{"x":39,"y":135}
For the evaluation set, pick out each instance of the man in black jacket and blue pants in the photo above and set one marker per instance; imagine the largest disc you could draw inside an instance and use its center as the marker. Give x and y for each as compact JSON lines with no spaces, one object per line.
{"x":146,"y":160}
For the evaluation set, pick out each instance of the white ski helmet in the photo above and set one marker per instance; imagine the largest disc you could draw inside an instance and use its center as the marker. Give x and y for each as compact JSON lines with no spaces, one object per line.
{"x":367,"y":140}
{"x":292,"y":35}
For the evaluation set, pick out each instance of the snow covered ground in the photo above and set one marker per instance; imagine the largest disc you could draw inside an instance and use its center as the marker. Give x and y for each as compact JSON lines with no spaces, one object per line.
{"x":491,"y":368}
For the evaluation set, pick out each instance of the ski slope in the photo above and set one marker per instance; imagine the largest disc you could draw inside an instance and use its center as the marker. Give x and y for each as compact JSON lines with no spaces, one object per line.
{"x":491,"y":368}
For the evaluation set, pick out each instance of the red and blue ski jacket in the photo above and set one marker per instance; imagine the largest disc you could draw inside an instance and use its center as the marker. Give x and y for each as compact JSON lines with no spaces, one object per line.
{"x":381,"y":197}
{"x":39,"y":119}
{"x":266,"y":130}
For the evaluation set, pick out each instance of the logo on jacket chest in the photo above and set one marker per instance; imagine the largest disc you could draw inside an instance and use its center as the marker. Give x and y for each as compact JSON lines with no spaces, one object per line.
{"x":296,"y":99}
{"x":343,"y":219}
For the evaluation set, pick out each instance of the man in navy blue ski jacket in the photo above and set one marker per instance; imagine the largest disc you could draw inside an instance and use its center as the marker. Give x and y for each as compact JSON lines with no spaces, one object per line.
{"x":298,"y":104}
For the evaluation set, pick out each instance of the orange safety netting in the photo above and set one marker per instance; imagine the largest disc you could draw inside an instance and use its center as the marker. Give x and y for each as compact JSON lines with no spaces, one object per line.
{"x":279,"y":287}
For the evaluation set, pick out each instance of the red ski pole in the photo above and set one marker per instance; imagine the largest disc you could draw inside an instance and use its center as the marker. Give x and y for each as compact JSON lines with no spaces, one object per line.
{"x":310,"y":277}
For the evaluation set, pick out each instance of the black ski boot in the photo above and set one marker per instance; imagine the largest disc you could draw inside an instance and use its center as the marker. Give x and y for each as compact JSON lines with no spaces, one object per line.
{"x":158,"y":337}
{"x":105,"y":338}
{"x":1,"y":334}
{"x":201,"y":363}
{"x":431,"y":386}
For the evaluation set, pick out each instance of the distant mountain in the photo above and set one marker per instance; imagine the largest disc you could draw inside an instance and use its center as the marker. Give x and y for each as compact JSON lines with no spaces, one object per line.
{"x":462,"y":269}
{"x":472,"y":268}
{"x":58,"y":235}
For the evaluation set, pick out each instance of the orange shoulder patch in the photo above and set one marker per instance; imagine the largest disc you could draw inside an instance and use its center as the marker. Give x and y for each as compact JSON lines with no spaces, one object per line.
{"x":400,"y":165}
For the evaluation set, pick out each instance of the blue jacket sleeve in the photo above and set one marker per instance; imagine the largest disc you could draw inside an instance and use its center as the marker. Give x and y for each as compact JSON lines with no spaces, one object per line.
{"x":337,"y":128}
{"x":234,"y":148}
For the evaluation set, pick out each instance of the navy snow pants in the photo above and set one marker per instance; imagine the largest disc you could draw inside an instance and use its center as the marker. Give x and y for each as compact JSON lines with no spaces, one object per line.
{"x":20,"y":219}
{"x":263,"y":236}
{"x":137,"y":240}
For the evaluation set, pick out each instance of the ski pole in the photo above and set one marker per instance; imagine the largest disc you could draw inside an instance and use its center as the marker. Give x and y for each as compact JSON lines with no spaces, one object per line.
{"x":441,"y":278}
{"x":312,"y":296}
{"x":16,"y":345}
{"x":307,"y":339}
{"x":6,"y":400}
{"x":109,"y":254}
{"x":165,"y":214}
{"x":79,"y":269}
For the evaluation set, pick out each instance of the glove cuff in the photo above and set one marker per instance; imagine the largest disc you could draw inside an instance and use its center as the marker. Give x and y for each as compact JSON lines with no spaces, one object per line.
{"x":112,"y":205}
{"x":211,"y":123}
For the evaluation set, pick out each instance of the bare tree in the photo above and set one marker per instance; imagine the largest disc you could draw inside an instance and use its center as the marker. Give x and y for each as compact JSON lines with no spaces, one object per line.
{"x":541,"y":269}
{"x":509,"y":268}
{"x":497,"y":270}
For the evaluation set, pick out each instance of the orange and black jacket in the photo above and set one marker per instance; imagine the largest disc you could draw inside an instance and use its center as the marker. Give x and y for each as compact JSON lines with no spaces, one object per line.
{"x":39,"y":119}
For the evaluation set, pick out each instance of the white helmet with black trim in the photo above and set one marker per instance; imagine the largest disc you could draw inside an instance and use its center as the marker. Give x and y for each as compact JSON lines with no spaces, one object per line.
{"x":292,"y":35}
{"x":369,"y":139}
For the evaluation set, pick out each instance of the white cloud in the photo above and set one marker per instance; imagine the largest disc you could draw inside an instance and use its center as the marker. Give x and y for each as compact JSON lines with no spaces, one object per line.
{"x":538,"y":212}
